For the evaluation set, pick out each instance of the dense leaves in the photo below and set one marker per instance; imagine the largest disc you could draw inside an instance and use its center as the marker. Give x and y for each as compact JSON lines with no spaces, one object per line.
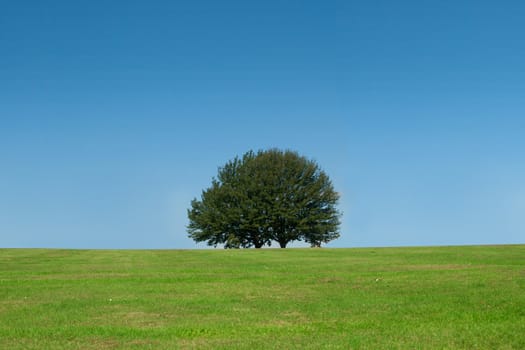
{"x":264,"y":197}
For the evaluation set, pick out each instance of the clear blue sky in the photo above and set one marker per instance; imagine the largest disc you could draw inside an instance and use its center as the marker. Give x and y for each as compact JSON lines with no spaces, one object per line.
{"x":115,"y":114}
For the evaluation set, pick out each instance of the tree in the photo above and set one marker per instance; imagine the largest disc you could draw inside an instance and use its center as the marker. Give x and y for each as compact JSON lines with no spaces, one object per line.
{"x":264,"y":197}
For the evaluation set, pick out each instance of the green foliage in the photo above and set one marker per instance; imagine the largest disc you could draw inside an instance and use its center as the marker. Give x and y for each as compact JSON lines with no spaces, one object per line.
{"x":267,"y":196}
{"x":373,"y":298}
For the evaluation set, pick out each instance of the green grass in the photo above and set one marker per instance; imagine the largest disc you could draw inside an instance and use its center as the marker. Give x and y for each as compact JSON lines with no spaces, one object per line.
{"x":384,"y":298}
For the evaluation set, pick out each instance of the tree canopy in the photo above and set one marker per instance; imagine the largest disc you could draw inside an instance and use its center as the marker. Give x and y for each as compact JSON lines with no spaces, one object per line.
{"x":264,"y":197}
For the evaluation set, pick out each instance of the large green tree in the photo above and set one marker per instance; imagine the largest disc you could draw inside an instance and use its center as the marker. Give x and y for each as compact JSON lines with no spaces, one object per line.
{"x":264,"y":197}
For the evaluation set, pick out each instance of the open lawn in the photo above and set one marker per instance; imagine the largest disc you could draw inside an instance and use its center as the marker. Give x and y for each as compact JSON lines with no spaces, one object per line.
{"x":383,"y":298}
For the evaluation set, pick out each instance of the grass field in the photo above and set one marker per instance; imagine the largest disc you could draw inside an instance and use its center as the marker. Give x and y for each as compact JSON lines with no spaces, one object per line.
{"x":384,"y":298}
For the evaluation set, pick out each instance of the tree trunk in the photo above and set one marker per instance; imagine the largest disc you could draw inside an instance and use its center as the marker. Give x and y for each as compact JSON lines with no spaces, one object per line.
{"x":283,"y":244}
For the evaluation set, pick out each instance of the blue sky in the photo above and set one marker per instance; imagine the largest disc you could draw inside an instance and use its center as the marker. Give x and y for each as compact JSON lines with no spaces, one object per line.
{"x":114,"y":115}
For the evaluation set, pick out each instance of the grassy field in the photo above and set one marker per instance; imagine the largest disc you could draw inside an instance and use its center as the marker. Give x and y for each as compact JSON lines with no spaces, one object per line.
{"x":384,"y":298}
